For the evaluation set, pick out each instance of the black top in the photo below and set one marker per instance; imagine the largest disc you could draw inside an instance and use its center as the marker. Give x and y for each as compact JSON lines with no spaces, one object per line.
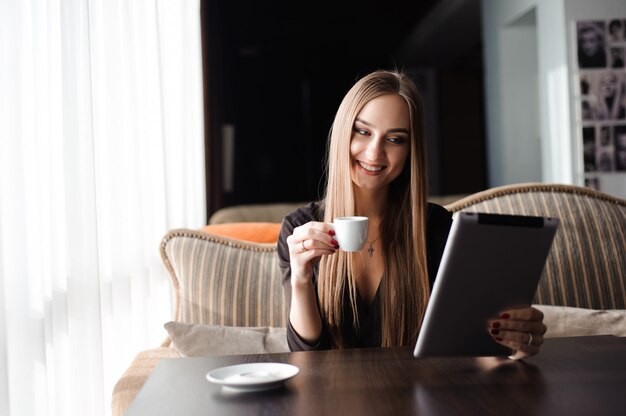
{"x":369,"y":331}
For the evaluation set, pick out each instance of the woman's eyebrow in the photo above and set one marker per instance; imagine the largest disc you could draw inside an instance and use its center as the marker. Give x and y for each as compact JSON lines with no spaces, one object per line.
{"x":396,"y":130}
{"x":363,"y":121}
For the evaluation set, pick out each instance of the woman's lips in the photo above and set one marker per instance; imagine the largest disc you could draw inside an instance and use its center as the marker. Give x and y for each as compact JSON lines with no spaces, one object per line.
{"x":371,"y":170}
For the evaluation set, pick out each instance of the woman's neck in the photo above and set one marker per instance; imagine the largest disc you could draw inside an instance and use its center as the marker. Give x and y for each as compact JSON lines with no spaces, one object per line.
{"x":370,"y":203}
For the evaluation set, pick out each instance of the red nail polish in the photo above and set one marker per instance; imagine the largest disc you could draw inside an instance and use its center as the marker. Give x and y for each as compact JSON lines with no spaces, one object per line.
{"x":331,"y":232}
{"x":495,"y":331}
{"x":505,"y":316}
{"x":498,"y":339}
{"x":495,"y":325}
{"x":333,"y":242}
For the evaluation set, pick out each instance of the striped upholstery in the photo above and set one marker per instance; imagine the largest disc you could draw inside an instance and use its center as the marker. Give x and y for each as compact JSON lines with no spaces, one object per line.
{"x":223,"y":281}
{"x":587,"y":265}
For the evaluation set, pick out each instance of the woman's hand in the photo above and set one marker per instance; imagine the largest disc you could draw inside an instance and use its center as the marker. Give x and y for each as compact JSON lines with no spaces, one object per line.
{"x":306,"y":246}
{"x":521,"y":330}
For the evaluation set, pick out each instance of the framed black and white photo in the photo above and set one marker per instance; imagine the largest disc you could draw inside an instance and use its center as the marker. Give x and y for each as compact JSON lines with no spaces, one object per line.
{"x":608,"y":90}
{"x":616,"y":57}
{"x":591,"y":44}
{"x":616,"y":30}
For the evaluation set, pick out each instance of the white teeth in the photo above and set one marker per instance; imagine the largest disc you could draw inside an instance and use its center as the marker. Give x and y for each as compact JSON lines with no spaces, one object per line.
{"x":370,"y":168}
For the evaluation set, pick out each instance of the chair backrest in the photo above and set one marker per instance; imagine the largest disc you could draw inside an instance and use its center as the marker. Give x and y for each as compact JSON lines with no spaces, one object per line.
{"x":223,"y":281}
{"x":587,"y":264}
{"x":271,"y":212}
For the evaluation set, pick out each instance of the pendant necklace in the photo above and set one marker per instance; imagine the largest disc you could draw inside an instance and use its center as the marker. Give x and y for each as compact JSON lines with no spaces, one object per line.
{"x":370,"y":249}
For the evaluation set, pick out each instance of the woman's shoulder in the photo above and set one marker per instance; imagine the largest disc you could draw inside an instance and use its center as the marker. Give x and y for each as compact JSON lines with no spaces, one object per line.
{"x":437,"y":230}
{"x":313,"y":211}
{"x":438,"y":213}
{"x":439,"y":220}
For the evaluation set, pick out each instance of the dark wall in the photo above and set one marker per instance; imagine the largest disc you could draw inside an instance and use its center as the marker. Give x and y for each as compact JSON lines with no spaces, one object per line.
{"x":462,"y":162}
{"x":277,"y":75}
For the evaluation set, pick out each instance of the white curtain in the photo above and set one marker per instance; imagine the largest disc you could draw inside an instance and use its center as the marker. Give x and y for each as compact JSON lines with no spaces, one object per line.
{"x":101,"y":135}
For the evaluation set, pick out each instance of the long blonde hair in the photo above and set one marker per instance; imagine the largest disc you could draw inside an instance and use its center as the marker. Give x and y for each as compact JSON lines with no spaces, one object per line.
{"x":404,"y":288}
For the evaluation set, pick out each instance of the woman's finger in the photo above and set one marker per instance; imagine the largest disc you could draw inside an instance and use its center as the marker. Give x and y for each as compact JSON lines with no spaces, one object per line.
{"x":520,"y":329}
{"x":519,"y":326}
{"x":315,"y":246}
{"x":522,"y":314}
{"x":307,"y":248}
{"x":313,"y":230}
{"x":312,"y":236}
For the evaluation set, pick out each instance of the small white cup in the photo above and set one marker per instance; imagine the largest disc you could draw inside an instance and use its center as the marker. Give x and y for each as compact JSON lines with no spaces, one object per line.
{"x":351,"y":232}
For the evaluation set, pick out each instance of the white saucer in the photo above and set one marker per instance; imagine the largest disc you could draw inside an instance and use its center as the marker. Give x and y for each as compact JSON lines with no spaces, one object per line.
{"x":253,"y":376}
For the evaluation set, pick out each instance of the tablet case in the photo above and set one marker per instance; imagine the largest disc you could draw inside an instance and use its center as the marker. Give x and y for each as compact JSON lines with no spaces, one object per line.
{"x":491,"y":262}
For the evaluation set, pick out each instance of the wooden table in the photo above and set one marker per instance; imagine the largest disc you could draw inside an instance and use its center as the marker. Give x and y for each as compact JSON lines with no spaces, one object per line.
{"x":571,"y":376}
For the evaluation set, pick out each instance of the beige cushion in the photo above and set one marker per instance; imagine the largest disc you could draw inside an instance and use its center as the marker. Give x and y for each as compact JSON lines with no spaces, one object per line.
{"x":254,"y":212}
{"x":564,"y":321}
{"x":586,"y":267}
{"x":223,"y":281}
{"x":195,"y":340}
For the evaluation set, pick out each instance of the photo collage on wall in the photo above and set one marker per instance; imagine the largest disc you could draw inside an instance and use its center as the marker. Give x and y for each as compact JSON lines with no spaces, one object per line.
{"x":601,"y":49}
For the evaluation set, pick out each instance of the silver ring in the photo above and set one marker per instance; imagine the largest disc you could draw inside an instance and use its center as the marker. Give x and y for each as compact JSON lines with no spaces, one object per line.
{"x":530,"y":339}
{"x":303,"y":247}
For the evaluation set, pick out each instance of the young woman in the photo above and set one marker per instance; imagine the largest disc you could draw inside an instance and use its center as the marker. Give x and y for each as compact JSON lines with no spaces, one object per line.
{"x":377,"y":169}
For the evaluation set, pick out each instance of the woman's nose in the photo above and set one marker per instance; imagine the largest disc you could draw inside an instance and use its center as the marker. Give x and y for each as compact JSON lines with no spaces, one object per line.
{"x":374,"y":149}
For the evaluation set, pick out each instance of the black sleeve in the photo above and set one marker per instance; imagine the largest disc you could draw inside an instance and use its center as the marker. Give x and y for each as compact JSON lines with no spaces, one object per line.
{"x":292,"y":220}
{"x":437,"y":230}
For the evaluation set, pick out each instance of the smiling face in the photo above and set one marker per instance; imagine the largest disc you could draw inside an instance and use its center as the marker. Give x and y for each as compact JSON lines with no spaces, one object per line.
{"x":380,"y":143}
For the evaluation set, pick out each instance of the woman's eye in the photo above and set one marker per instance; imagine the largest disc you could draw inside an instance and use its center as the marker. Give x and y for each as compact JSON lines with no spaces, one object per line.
{"x":395,"y":140}
{"x":361,"y":131}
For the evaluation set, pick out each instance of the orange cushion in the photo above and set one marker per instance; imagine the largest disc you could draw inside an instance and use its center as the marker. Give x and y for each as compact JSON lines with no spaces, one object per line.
{"x":258,"y":232}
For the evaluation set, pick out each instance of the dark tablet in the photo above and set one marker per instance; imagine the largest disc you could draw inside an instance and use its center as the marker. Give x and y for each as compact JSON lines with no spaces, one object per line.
{"x":490,"y":263}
